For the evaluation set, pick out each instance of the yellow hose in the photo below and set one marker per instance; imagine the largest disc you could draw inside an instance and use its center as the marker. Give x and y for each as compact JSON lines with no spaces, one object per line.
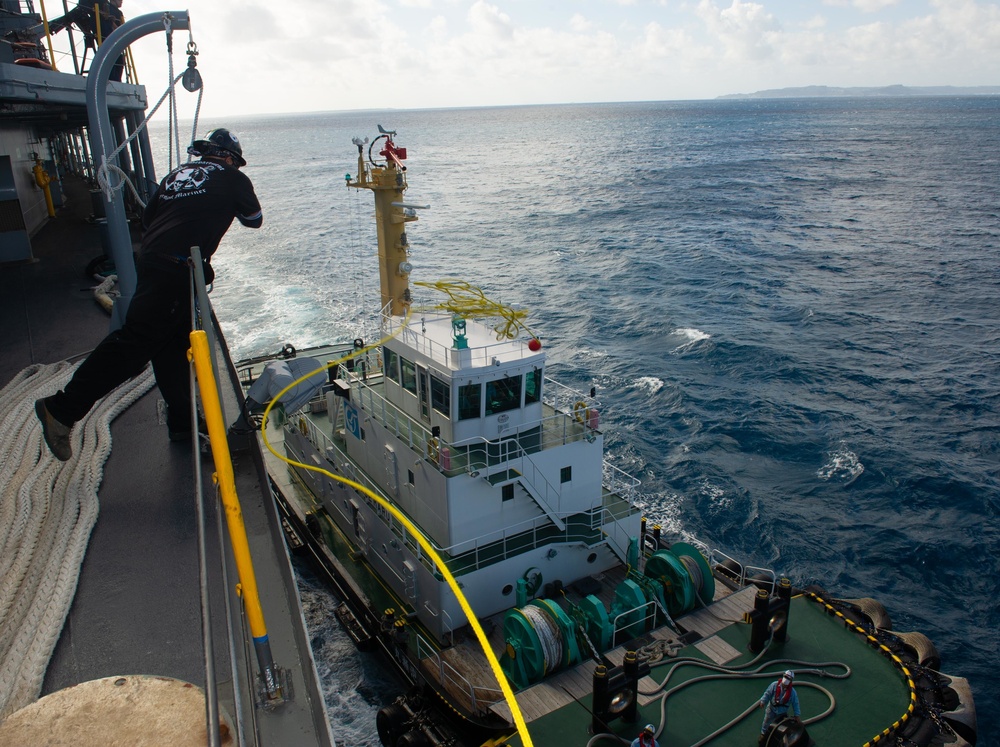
{"x":522,"y":727}
{"x":466,"y":300}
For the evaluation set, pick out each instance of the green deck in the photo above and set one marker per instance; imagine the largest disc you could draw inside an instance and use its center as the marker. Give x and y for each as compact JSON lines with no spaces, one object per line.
{"x":872,"y":698}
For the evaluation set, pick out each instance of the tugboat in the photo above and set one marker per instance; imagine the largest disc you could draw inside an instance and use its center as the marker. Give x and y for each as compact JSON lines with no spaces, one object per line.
{"x":458,"y":501}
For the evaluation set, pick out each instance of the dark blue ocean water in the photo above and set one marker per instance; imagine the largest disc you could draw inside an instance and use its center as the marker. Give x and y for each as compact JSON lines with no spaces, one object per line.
{"x":789,"y":309}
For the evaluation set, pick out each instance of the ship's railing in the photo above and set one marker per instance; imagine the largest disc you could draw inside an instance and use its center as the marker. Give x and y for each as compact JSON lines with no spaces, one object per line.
{"x":634,"y":622}
{"x":741,"y":574}
{"x":620,"y":483}
{"x":489,"y":548}
{"x":549,"y":432}
{"x":445,"y":354}
{"x":479,"y":697}
{"x":404,"y":427}
{"x":565,"y":399}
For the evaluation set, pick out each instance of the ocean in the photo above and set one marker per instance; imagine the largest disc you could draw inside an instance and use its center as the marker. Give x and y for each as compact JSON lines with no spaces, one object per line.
{"x":789,"y":310}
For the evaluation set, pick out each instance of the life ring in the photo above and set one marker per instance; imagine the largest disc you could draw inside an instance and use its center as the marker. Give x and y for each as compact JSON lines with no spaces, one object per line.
{"x":433,"y":449}
{"x":580,"y":411}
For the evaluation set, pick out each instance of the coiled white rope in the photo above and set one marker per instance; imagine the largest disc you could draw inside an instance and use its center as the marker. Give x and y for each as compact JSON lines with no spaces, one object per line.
{"x":548,"y":636}
{"x":47,"y":511}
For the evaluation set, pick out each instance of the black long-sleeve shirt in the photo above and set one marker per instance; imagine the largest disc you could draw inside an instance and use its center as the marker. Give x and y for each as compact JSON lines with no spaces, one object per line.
{"x":194,"y":206}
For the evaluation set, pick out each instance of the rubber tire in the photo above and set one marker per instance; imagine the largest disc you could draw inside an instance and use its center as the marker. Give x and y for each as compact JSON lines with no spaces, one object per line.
{"x":414,"y":739}
{"x":390,"y":721}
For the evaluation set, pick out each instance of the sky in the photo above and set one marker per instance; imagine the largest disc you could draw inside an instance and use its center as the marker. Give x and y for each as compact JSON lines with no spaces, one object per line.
{"x":334,"y":55}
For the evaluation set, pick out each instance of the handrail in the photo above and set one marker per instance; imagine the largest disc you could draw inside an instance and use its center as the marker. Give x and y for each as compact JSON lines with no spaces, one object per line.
{"x":620,"y":482}
{"x":447,"y":674}
{"x":649,"y":613}
{"x":565,"y":394}
{"x":234,"y":516}
{"x":211,"y":686}
{"x":480,"y":356}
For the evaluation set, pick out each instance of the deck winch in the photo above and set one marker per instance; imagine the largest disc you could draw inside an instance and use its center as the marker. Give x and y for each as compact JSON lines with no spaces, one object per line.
{"x":541,"y":639}
{"x":685,"y":575}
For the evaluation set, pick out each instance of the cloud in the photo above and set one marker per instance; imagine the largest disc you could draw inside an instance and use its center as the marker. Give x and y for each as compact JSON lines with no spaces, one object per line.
{"x":338,"y":54}
{"x":865,"y":6}
{"x":489,"y":21}
{"x":745,"y":30}
{"x":579,"y":24}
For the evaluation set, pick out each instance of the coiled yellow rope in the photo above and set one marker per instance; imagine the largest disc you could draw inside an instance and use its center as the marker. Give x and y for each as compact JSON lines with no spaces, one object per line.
{"x":522,"y":727}
{"x":466,"y":300}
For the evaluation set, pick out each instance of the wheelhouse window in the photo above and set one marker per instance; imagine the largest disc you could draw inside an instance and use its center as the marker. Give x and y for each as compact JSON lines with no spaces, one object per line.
{"x":533,"y":386}
{"x":391,"y":364}
{"x":409,"y":374}
{"x":441,"y":396}
{"x":503,"y":395}
{"x":469,"y":401}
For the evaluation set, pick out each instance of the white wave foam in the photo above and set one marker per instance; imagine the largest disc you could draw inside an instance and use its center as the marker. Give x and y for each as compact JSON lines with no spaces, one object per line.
{"x":843,"y":466}
{"x":650,"y":384}
{"x":691,"y":337}
{"x":717,"y":496}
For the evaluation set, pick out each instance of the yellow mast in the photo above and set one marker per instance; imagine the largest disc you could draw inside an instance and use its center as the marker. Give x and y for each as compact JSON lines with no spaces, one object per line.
{"x":388,"y":182}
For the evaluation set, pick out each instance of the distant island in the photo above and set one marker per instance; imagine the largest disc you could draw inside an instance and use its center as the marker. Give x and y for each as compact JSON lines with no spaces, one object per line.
{"x":897,"y":90}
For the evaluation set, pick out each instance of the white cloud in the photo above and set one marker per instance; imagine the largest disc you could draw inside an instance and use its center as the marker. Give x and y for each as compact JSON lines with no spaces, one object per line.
{"x":337,"y":54}
{"x":488,"y":20}
{"x":579,"y":24}
{"x":865,"y":6}
{"x":746,"y":30}
{"x":438,"y":27}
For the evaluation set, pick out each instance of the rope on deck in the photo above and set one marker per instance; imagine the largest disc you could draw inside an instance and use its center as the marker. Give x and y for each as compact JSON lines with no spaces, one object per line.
{"x":48,"y":509}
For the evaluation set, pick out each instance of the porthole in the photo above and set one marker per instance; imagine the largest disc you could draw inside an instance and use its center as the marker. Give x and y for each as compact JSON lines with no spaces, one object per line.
{"x":592,"y":557}
{"x":507,"y":589}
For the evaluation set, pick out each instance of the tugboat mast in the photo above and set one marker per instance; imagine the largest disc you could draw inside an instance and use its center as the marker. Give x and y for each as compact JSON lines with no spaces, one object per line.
{"x":387,"y":180}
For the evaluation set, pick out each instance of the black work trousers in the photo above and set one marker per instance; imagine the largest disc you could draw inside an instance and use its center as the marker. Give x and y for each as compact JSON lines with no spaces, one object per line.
{"x":156,"y":329}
